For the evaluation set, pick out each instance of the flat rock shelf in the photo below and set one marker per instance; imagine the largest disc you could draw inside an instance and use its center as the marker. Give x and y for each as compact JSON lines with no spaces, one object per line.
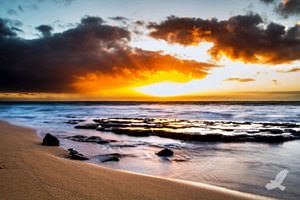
{"x":198,"y":130}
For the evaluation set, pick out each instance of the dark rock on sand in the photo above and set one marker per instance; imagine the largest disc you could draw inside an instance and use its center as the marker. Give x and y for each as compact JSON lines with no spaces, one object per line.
{"x":50,"y":140}
{"x":165,"y":152}
{"x":75,"y":155}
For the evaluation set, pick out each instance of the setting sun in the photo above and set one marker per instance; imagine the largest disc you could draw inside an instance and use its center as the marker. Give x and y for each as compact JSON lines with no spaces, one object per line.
{"x":164,"y":89}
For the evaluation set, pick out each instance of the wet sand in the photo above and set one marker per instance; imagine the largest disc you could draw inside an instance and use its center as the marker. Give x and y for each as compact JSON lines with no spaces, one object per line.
{"x":29,"y":170}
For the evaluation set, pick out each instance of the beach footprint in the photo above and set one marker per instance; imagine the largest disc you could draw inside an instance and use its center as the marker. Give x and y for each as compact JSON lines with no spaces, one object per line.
{"x":2,"y":166}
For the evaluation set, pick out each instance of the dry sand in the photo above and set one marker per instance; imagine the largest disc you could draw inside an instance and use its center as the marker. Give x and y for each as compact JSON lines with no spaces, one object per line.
{"x":31,"y":171}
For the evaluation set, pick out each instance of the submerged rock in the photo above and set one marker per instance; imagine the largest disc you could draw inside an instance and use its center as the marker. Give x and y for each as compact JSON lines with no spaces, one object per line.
{"x":197,"y":130}
{"x":96,"y":139}
{"x":114,"y":157}
{"x":92,"y":139}
{"x":87,"y":126}
{"x":111,"y":159}
{"x":77,"y":138}
{"x":273,"y":138}
{"x":74,"y":121}
{"x":75,"y":155}
{"x":273,"y":131}
{"x":165,"y":152}
{"x":123,"y":145}
{"x":50,"y":140}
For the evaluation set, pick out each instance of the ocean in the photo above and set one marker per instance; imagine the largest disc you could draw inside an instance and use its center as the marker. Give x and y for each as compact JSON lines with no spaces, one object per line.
{"x":236,"y":145}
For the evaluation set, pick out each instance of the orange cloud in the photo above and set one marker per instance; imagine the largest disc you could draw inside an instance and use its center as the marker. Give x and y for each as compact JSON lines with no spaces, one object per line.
{"x":144,"y":67}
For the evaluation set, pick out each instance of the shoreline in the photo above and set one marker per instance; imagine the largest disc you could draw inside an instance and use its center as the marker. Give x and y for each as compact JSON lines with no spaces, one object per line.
{"x":32,"y":171}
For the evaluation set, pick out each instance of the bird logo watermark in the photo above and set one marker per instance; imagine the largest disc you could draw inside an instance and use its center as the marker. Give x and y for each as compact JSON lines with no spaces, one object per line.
{"x":277,"y":182}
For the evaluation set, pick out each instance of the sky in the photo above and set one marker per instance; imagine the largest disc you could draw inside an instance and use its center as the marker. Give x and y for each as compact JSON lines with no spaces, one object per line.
{"x":150,"y":50}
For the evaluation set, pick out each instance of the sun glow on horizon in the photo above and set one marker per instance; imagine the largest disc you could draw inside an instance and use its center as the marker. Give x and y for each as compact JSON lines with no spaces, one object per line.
{"x":165,"y":89}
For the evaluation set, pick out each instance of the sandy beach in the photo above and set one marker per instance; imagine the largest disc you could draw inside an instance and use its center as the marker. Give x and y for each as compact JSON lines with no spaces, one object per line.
{"x":29,"y":170}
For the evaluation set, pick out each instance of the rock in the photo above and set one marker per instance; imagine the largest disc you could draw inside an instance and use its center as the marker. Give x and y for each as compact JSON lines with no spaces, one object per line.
{"x":273,"y":138}
{"x":74,"y":121}
{"x":103,"y":142}
{"x":290,"y":131}
{"x":87,"y":126}
{"x":290,"y":125}
{"x":228,"y":129}
{"x":72,"y":151}
{"x":179,"y":160}
{"x":78,"y":157}
{"x":95,"y":139}
{"x":285,"y":125}
{"x":176,"y":129}
{"x":75,"y":155}
{"x":50,"y":140}
{"x":114,"y":157}
{"x":111,"y":159}
{"x":273,"y":131}
{"x":77,"y":138}
{"x":123,"y":145}
{"x":91,"y":139}
{"x":132,"y":132}
{"x":165,"y":152}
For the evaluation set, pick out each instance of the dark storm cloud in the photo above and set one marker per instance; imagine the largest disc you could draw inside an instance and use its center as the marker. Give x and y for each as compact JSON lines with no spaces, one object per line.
{"x":139,"y":23}
{"x":285,"y":7}
{"x":63,"y":25}
{"x":119,"y":18}
{"x":267,"y":1}
{"x":33,"y":6}
{"x":20,"y":8}
{"x":12,"y":12}
{"x":45,"y":30}
{"x":5,"y":30}
{"x":10,"y":27}
{"x":289,"y":7}
{"x":55,"y":62}
{"x":13,"y":22}
{"x":65,"y":2}
{"x":241,"y":37}
{"x":92,"y":20}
